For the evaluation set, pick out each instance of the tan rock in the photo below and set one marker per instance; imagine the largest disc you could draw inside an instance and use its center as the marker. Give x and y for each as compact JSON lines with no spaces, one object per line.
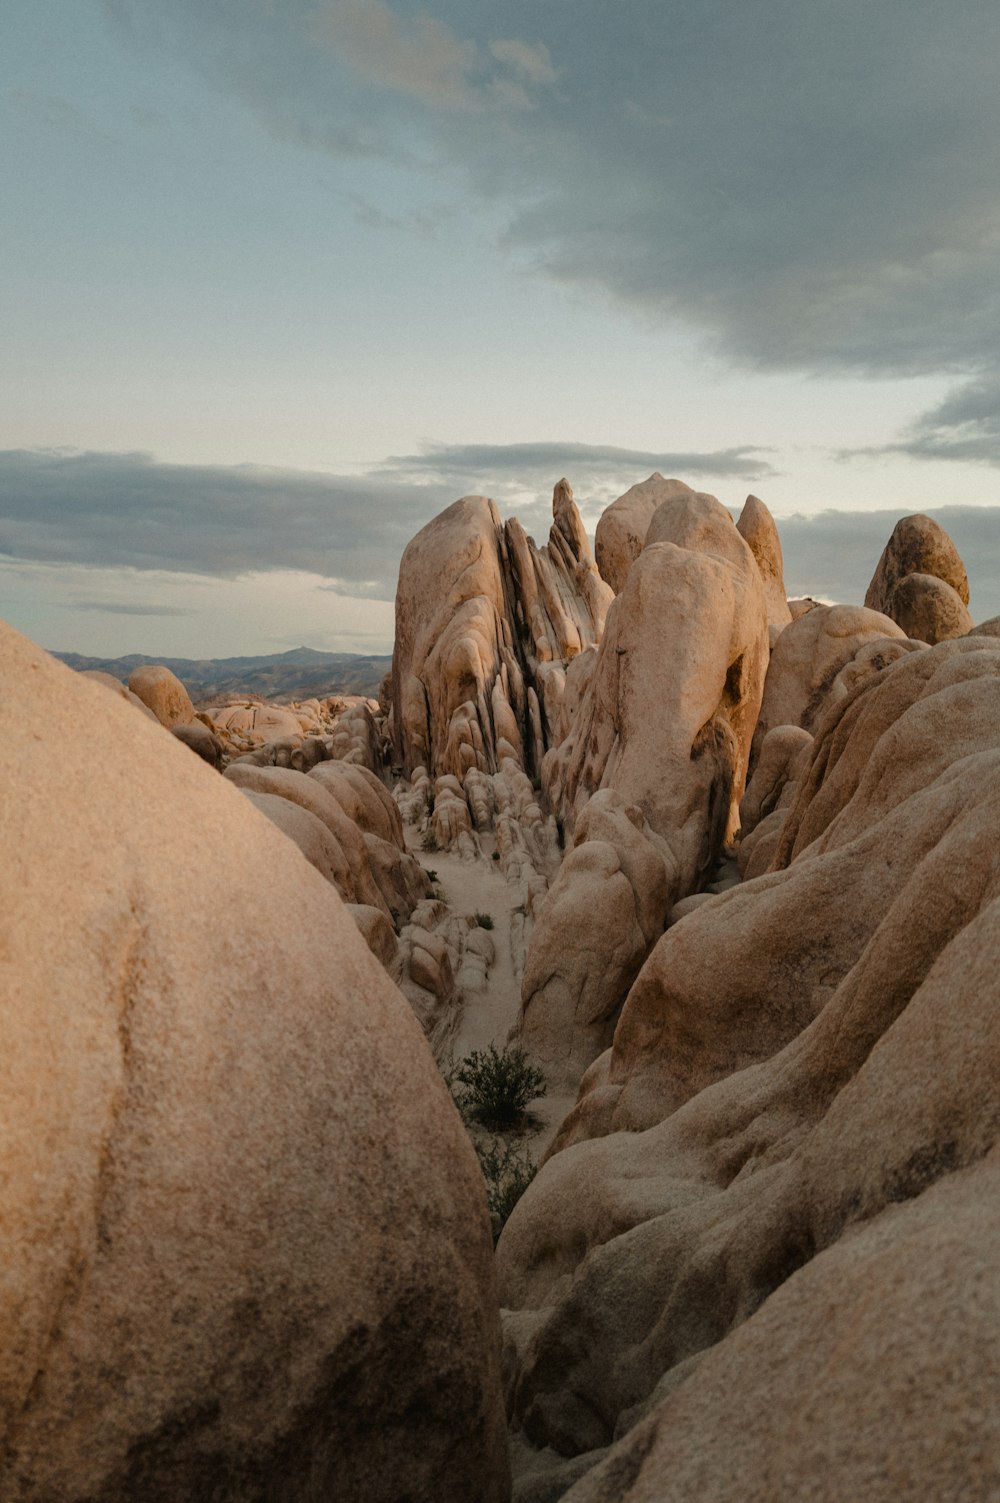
{"x":663,"y":728}
{"x":621,"y":531}
{"x":259,"y":721}
{"x":245,"y":1245}
{"x":354,"y":879}
{"x":772,"y":1275}
{"x":757,"y":526}
{"x":163,"y":692}
{"x":929,"y":609}
{"x":478,"y":609}
{"x":809,"y":656}
{"x":117,"y":687}
{"x":363,"y":798}
{"x":199,"y":739}
{"x":376,"y":931}
{"x":918,"y":545}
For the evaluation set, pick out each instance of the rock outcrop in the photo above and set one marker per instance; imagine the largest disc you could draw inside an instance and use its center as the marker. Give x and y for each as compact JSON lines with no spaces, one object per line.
{"x":163,"y":693}
{"x":756,"y":525}
{"x":810,"y":657}
{"x":246,"y":1251}
{"x":760,"y":1259}
{"x":621,"y":530}
{"x":664,"y":724}
{"x":480,"y":612}
{"x":921,"y":583}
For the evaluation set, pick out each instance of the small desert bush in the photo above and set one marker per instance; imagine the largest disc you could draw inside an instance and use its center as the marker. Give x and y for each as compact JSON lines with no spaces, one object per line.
{"x":429,"y":842}
{"x":484,"y":920}
{"x":493,"y":1086}
{"x":508,"y":1172}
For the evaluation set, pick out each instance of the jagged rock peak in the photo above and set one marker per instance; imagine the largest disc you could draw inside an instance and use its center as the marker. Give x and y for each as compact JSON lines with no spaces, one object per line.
{"x":758,"y":527}
{"x":485,"y":621}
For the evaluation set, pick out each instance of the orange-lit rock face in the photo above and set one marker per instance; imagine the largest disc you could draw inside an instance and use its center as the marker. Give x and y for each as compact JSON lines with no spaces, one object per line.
{"x":245,"y":1247}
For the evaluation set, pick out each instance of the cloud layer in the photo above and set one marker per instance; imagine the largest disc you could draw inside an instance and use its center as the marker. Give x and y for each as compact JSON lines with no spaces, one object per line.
{"x":812,"y":186}
{"x":130,"y":511}
{"x":126,"y":512}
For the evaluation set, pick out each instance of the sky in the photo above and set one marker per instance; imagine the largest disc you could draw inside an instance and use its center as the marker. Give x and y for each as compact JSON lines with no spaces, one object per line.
{"x":280,"y":279}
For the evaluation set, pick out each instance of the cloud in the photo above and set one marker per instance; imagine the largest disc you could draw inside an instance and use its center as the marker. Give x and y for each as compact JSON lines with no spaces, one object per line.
{"x":584,"y":464}
{"x":965,"y":427}
{"x":811,"y":187}
{"x":131,"y":511}
{"x":118,"y":608}
{"x":128,"y":510}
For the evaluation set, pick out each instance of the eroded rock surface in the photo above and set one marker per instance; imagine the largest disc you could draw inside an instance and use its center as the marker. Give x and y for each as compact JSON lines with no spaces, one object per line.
{"x":663,"y":724}
{"x":163,"y":693}
{"x":918,"y":545}
{"x":621,"y":531}
{"x":246,"y":1250}
{"x":768,"y":1220}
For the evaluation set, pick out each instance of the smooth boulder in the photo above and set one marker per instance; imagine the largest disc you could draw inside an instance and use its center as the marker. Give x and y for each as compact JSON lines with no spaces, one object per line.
{"x":245,"y":1243}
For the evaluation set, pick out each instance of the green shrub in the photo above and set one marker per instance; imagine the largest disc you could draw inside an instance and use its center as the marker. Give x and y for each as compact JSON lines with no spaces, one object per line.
{"x":484,"y":920}
{"x":494,"y":1086}
{"x":508,"y":1173}
{"x":429,"y":842}
{"x":432,"y":874}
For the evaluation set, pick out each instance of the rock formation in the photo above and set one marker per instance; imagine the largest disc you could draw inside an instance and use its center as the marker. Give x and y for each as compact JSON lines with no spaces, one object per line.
{"x":621,"y":531}
{"x":726,"y":866}
{"x":811,"y":655}
{"x":164,"y":694}
{"x":664,"y":725}
{"x":756,"y":525}
{"x":246,"y":1250}
{"x":764,"y":1223}
{"x":480,"y":613}
{"x":921,"y":582}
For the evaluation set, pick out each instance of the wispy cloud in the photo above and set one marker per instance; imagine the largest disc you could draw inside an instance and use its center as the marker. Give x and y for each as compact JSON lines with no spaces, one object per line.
{"x":965,"y":427}
{"x":120,"y":608}
{"x":345,"y":535}
{"x":131,"y":511}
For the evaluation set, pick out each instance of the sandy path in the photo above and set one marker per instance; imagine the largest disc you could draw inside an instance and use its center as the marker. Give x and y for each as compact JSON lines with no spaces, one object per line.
{"x":487,"y":1017}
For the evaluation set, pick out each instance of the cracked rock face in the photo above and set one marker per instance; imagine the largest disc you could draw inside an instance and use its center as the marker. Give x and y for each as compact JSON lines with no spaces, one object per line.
{"x":245,"y":1244}
{"x":482,"y":617}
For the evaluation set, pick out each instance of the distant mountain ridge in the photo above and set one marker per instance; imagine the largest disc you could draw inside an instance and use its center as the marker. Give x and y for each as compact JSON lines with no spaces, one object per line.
{"x":300,"y":673}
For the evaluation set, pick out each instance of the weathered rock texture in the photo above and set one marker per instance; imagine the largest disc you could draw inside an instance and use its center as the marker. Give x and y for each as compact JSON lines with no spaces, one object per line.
{"x":765,"y":1267}
{"x":921,"y":582}
{"x":809,"y":658}
{"x":929,"y":609}
{"x":480,"y":612}
{"x":757,"y":526}
{"x":245,"y":1247}
{"x":621,"y":531}
{"x":163,"y":692}
{"x":664,"y":727}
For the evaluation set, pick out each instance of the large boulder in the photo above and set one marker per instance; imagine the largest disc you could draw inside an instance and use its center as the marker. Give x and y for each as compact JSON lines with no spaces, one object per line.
{"x":664,"y":724}
{"x":245,"y":1246}
{"x":760,"y":1261}
{"x":928,"y":609}
{"x":621,"y":530}
{"x":918,"y":545}
{"x":810,"y":656}
{"x":163,"y":693}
